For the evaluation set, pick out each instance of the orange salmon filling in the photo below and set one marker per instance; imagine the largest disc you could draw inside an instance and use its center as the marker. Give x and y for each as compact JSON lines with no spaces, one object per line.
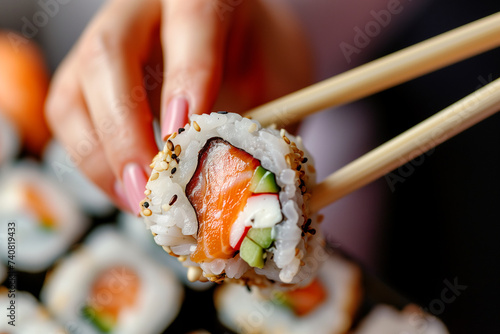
{"x":218,"y":192}
{"x":305,"y":300}
{"x":113,"y":290}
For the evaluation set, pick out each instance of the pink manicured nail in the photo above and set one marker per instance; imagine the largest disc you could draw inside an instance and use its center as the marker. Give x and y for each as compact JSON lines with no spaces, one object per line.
{"x":175,"y":117}
{"x":120,"y":194}
{"x":134,"y":182}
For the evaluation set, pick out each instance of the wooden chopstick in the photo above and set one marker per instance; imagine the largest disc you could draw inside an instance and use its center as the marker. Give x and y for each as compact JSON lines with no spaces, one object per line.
{"x":385,"y":72}
{"x":408,"y":145}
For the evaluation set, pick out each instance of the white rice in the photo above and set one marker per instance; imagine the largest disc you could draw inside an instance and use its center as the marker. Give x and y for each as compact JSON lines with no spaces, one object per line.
{"x":176,"y":226}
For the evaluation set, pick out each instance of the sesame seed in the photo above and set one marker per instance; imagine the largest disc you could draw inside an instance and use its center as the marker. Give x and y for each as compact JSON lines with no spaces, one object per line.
{"x":285,"y":138}
{"x":299,"y":167}
{"x":145,"y":205}
{"x":181,"y":130}
{"x":173,"y":135}
{"x":147,"y":212}
{"x":172,"y":200}
{"x":252,"y":128}
{"x":164,"y":165}
{"x":174,"y":156}
{"x":282,"y":132}
{"x":304,"y":160}
{"x":196,"y":126}
{"x":147,"y":192}
{"x":194,"y":273}
{"x":312,"y":231}
{"x":152,"y":165}
{"x":167,"y":249}
{"x":177,"y":150}
{"x":168,"y":158}
{"x":222,"y":112}
{"x":182,"y":258}
{"x":288,"y":160}
{"x":173,"y":170}
{"x":154,"y":176}
{"x":165,"y":207}
{"x":158,"y":168}
{"x":170,"y":145}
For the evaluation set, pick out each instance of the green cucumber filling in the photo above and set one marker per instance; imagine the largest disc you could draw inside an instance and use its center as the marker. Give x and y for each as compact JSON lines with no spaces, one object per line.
{"x":263,"y":181}
{"x":101,"y":321}
{"x":254,"y":245}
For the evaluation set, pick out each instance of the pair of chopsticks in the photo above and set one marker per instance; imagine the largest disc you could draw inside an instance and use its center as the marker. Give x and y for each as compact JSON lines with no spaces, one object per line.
{"x":419,"y":59}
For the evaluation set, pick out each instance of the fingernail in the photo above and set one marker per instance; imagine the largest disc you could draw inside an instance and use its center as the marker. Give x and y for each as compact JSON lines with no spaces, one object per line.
{"x":134,"y":183}
{"x":122,"y":198}
{"x":175,"y":117}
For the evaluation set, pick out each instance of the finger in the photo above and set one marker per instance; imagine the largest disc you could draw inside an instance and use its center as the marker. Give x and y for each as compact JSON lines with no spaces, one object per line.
{"x":193,"y":37}
{"x":68,"y":118}
{"x":112,"y":82}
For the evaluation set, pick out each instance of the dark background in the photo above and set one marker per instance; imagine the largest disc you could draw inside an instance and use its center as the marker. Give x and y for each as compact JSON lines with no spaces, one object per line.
{"x":443,"y":220}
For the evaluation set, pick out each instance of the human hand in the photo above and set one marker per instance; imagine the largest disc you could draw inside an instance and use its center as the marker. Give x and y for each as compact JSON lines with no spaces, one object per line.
{"x":138,"y":59}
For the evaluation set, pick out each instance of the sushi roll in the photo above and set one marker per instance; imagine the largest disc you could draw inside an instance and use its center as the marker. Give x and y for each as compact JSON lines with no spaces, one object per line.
{"x":411,"y":320}
{"x":230,"y":200}
{"x":327,"y":305}
{"x":110,"y":286}
{"x":59,"y":165}
{"x":45,"y":219}
{"x":25,"y":315}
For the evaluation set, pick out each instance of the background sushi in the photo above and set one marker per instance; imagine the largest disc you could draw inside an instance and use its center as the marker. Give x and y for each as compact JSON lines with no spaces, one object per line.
{"x":327,"y":305}
{"x":222,"y":177}
{"x":109,"y":285}
{"x":46,"y":220}
{"x":29,"y":316}
{"x":412,"y":320}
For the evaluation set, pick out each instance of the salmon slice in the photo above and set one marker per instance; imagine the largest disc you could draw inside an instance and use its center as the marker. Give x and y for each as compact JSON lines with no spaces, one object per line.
{"x":218,"y":191}
{"x":115,"y":289}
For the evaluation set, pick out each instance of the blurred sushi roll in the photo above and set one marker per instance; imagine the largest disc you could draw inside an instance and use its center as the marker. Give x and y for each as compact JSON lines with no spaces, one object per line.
{"x":46,"y":221}
{"x":59,"y":164}
{"x":9,"y":141}
{"x":25,"y":315}
{"x":411,"y":320}
{"x":230,"y":200}
{"x":110,"y":286}
{"x":134,"y":229}
{"x":327,"y":305}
